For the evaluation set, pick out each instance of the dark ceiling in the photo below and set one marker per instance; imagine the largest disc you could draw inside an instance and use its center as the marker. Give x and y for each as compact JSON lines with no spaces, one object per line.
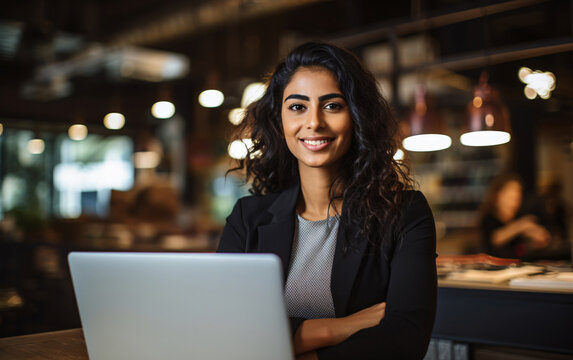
{"x":229,"y":42}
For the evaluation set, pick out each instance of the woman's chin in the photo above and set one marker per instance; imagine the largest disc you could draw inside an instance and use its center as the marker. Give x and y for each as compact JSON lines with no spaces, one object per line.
{"x":317,"y":164}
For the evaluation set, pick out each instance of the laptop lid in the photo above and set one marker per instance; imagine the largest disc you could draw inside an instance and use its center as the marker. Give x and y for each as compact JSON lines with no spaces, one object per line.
{"x":181,"y":306}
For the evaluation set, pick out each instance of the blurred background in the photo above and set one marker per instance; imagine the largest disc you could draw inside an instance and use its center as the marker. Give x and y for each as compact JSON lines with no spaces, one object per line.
{"x":115,"y":117}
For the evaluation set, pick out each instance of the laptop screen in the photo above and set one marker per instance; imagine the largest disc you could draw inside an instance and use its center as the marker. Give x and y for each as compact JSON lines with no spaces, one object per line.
{"x":181,"y":306}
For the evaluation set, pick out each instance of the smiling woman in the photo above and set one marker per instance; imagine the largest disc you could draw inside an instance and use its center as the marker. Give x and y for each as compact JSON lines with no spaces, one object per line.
{"x":316,"y":122}
{"x":356,"y":243}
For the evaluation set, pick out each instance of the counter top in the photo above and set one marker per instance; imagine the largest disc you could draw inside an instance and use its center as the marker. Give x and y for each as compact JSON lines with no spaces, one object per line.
{"x":61,"y":345}
{"x":501,"y":287}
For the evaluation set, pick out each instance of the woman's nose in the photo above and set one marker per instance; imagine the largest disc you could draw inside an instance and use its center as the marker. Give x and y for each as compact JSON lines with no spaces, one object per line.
{"x":314,"y":119}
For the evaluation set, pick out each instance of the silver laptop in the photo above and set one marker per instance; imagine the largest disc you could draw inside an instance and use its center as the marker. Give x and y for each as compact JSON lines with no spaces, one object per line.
{"x":181,"y":306}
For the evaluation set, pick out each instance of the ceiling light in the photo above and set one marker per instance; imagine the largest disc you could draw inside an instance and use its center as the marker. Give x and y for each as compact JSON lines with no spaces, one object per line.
{"x":163,"y":109}
{"x":78,"y":132}
{"x":253,"y":92}
{"x":538,"y":83}
{"x":488,"y":119}
{"x":238,"y":149}
{"x":236,"y":115}
{"x":427,"y":142}
{"x":427,"y":127}
{"x":211,"y":98}
{"x":36,"y":146}
{"x":114,"y":121}
{"x":485,"y":138}
{"x":529,"y":92}
{"x":399,"y":155}
{"x":141,"y":63}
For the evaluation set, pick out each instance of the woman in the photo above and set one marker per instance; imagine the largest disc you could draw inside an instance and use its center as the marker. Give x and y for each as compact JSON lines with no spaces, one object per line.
{"x":506,"y":232}
{"x":358,"y":248}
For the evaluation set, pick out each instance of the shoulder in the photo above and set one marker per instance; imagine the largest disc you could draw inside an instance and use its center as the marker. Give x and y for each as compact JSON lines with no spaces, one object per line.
{"x":414,"y":203}
{"x":409,"y":196}
{"x":255,"y":210}
{"x":415,"y":211}
{"x":257,"y":203}
{"x":416,"y":229}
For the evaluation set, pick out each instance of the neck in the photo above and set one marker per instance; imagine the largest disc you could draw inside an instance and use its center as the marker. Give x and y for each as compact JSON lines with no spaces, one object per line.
{"x":505,"y":216}
{"x":314,"y":203}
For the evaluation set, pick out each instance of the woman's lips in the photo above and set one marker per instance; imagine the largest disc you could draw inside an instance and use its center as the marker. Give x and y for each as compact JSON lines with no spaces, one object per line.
{"x":316,"y":144}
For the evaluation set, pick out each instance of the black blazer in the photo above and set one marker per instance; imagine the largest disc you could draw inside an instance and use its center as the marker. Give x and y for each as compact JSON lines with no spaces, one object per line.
{"x":402,"y":274}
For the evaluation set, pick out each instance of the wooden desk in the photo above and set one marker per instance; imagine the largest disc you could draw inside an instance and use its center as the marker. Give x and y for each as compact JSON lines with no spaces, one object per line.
{"x":61,"y":345}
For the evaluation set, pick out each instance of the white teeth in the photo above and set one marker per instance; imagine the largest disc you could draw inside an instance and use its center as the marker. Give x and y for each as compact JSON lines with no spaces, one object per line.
{"x":315,"y":142}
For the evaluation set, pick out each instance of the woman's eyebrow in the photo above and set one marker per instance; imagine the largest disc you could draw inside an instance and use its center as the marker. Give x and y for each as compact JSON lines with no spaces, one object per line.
{"x":297,"y":96}
{"x":320,"y":98}
{"x":330,"y":96}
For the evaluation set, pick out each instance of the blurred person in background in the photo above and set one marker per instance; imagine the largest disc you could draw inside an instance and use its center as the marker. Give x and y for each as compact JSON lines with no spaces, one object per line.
{"x":356,"y":243}
{"x":509,"y":230}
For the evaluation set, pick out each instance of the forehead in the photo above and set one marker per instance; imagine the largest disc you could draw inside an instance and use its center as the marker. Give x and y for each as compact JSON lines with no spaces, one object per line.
{"x":511,"y":185}
{"x":312,"y":80}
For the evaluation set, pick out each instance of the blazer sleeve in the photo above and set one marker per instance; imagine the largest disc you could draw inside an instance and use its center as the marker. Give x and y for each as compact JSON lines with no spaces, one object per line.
{"x":234,"y":236}
{"x":405,"y":330}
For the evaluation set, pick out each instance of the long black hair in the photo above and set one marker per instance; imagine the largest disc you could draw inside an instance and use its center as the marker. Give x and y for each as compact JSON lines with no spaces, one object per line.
{"x":372,"y":181}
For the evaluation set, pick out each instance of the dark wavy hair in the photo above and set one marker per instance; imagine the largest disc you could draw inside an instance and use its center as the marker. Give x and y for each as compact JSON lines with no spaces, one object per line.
{"x":372,"y":181}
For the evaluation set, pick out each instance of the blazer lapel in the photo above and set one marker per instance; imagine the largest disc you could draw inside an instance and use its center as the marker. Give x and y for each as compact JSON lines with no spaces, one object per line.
{"x":345,"y":268}
{"x":277,"y":236}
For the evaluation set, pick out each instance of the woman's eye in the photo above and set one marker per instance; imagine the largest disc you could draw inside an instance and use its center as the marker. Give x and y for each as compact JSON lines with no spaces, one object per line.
{"x":333,"y":106}
{"x":296,"y":107}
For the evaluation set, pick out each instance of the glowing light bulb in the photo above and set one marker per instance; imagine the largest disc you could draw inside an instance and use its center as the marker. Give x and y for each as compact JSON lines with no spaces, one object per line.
{"x":489,"y":120}
{"x":485,"y":138}
{"x":163,"y":109}
{"x":78,"y":132}
{"x":529,"y":92}
{"x":211,"y":98}
{"x":114,"y":121}
{"x":427,"y":142}
{"x":539,"y":83}
{"x":252,"y":93}
{"x":523,"y":72}
{"x":236,"y":115}
{"x":36,"y":146}
{"x":399,"y":155}
{"x":238,"y":149}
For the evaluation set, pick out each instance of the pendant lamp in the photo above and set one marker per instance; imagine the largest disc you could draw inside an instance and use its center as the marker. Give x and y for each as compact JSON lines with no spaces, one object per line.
{"x":488,"y":119}
{"x":427,"y":127}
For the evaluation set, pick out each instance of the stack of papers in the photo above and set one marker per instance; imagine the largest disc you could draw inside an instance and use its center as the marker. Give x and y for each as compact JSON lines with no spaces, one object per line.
{"x":494,"y":276}
{"x":554,"y":280}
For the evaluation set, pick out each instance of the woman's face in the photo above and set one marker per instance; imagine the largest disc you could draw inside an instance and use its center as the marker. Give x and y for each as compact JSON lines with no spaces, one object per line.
{"x":509,"y":199}
{"x":316,"y":120}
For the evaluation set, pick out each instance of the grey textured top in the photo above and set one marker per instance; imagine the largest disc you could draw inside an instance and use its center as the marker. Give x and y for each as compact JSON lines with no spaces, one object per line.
{"x":307,"y":290}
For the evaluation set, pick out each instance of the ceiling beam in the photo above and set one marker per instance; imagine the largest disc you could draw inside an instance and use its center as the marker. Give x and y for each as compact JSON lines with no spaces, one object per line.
{"x":190,"y":20}
{"x":387,"y":30}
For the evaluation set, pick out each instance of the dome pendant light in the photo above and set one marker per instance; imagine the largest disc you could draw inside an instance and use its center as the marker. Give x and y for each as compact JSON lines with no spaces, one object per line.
{"x":427,"y":128}
{"x":488,"y":120}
